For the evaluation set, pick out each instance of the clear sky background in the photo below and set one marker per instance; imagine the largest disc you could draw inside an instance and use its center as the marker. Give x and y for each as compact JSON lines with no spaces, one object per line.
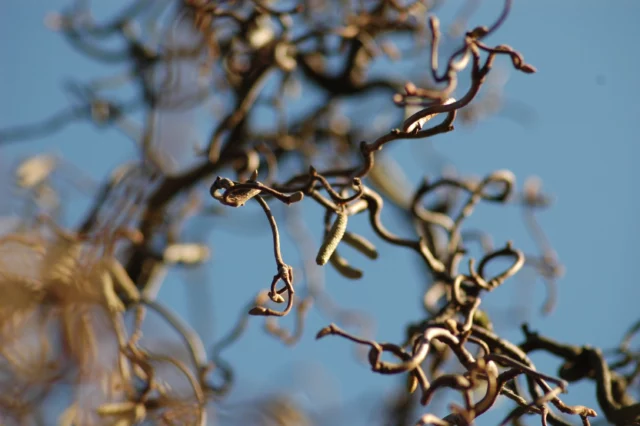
{"x":579,"y":133}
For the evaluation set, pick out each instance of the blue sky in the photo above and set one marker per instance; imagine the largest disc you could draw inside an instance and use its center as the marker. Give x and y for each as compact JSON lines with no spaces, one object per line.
{"x":580,"y":137}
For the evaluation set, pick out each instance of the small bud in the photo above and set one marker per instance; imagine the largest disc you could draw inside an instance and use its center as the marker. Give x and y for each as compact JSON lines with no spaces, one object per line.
{"x":258,"y":311}
{"x":324,"y":332}
{"x":276,"y":298}
{"x":478,"y":32}
{"x":296,"y":197}
{"x":220,"y":183}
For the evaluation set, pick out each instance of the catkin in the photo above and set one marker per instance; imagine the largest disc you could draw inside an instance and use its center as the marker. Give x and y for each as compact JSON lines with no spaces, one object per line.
{"x":332,"y":239}
{"x":342,"y":266}
{"x":361,"y":244}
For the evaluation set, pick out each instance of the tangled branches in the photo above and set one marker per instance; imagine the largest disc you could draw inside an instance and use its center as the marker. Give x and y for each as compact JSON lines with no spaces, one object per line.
{"x":78,"y":297}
